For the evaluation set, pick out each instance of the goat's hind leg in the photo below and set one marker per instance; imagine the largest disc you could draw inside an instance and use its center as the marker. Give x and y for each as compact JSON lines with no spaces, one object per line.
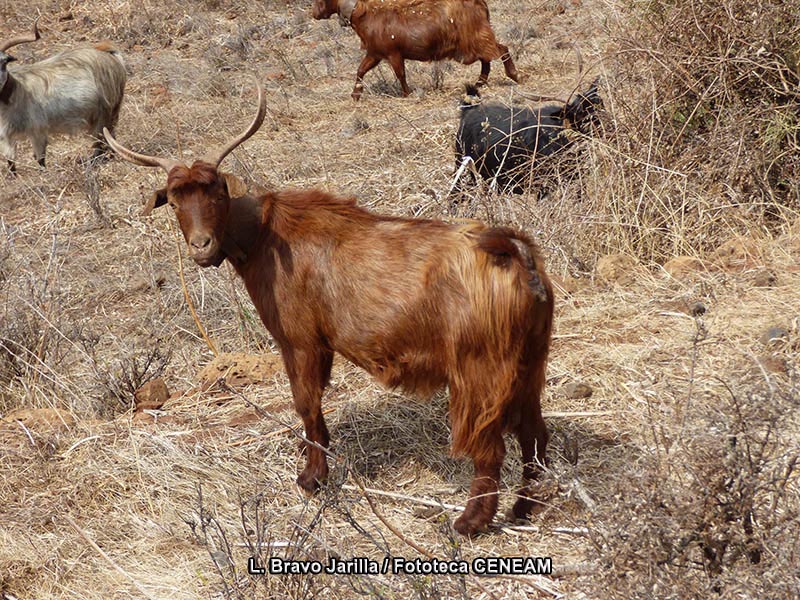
{"x":39,"y":143}
{"x":508,"y":63}
{"x":100,"y":148}
{"x":532,"y":434}
{"x":399,"y":67}
{"x":486,"y":67}
{"x":482,"y":504}
{"x":309,"y":372}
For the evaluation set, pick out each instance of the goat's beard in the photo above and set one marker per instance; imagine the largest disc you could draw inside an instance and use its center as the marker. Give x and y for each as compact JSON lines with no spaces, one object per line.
{"x":211,"y":261}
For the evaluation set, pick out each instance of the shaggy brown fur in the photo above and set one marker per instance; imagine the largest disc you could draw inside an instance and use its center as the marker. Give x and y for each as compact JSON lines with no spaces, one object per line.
{"x":418,"y":304}
{"x":425,"y":30}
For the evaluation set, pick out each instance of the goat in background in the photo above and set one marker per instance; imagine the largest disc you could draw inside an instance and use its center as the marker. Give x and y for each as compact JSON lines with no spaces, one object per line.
{"x":74,"y":91}
{"x":507,"y":141}
{"x":425,"y":30}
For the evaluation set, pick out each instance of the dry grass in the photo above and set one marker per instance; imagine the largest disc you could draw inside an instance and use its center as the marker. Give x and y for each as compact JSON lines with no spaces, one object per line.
{"x":684,"y":479}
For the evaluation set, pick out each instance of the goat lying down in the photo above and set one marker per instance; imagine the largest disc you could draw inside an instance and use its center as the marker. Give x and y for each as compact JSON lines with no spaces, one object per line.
{"x":507,"y":141}
{"x":75,"y":91}
{"x":424,"y":30}
{"x":419,"y":304}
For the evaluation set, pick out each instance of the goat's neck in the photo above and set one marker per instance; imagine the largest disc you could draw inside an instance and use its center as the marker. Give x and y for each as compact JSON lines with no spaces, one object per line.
{"x":243,"y":229}
{"x":346,"y":8}
{"x":7,"y":90}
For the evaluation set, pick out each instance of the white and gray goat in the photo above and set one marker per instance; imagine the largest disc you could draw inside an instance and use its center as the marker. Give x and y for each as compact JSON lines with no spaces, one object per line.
{"x":74,"y":91}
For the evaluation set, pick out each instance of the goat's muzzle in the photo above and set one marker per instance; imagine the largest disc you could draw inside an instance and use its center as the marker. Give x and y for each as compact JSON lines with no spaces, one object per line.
{"x":205,"y":250}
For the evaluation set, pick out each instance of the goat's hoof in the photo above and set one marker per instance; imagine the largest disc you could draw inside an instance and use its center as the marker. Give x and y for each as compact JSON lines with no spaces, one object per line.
{"x":356,"y":96}
{"x":468,"y":527}
{"x":522,"y":508}
{"x":308,"y":482}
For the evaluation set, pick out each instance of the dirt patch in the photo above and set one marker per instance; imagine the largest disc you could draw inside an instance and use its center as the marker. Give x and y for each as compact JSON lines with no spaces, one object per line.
{"x":41,"y":420}
{"x":241,"y":369}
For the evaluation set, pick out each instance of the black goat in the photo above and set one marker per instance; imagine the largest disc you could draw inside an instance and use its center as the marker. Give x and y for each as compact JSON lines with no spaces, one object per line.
{"x":506,"y":141}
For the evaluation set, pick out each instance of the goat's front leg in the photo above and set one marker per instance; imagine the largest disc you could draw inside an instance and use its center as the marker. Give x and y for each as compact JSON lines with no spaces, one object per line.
{"x":368,"y":63}
{"x":9,"y":150}
{"x":309,"y":372}
{"x":482,"y":504}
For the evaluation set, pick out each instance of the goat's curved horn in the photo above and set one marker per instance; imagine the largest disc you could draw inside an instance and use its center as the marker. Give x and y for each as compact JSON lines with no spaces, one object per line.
{"x":215,"y":158}
{"x":30,"y":37}
{"x":139,"y":159}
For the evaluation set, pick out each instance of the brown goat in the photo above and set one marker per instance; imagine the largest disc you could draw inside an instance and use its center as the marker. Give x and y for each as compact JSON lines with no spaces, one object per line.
{"x":425,"y":30}
{"x":419,"y":304}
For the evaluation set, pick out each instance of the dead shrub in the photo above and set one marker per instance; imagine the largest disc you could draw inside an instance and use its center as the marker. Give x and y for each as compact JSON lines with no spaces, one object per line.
{"x":116,"y":380}
{"x":710,"y":506}
{"x":706,"y":125}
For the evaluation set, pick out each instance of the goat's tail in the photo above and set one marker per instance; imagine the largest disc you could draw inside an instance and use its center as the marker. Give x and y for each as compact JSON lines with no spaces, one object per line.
{"x":107,"y":46}
{"x":471,"y":96}
{"x":508,"y":246}
{"x":517,"y":332}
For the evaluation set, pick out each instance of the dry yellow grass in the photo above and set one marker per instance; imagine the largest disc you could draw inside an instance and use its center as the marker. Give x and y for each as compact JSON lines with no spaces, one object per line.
{"x":117,"y":504}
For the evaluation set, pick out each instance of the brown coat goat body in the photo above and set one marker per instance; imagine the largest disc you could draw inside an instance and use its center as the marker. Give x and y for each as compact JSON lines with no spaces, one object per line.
{"x":419,"y":304}
{"x":424,"y":30}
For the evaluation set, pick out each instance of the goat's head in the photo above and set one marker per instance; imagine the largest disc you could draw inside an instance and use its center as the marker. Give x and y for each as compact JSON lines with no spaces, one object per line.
{"x":10,"y":43}
{"x":323,"y":9}
{"x":200,"y":195}
{"x":582,"y":108}
{"x":4,"y":60}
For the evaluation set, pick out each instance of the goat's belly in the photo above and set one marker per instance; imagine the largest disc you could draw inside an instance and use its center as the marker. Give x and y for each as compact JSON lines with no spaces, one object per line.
{"x":417,"y":372}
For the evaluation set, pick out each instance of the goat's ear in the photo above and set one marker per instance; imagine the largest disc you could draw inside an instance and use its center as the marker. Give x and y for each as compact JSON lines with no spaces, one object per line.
{"x":236,"y":187}
{"x":159,"y":198}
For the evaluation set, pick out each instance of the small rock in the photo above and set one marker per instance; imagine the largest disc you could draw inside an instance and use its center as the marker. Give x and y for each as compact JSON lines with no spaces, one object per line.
{"x":38,"y":419}
{"x":241,"y":369}
{"x":427,"y":512}
{"x":568,"y":285}
{"x":736,"y":253}
{"x":764,"y":278}
{"x":683,"y":267}
{"x":773,"y":364}
{"x":356,"y":126}
{"x":152,"y":395}
{"x":617,"y":268}
{"x":697,"y":308}
{"x":774,"y":334}
{"x":576,"y":390}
